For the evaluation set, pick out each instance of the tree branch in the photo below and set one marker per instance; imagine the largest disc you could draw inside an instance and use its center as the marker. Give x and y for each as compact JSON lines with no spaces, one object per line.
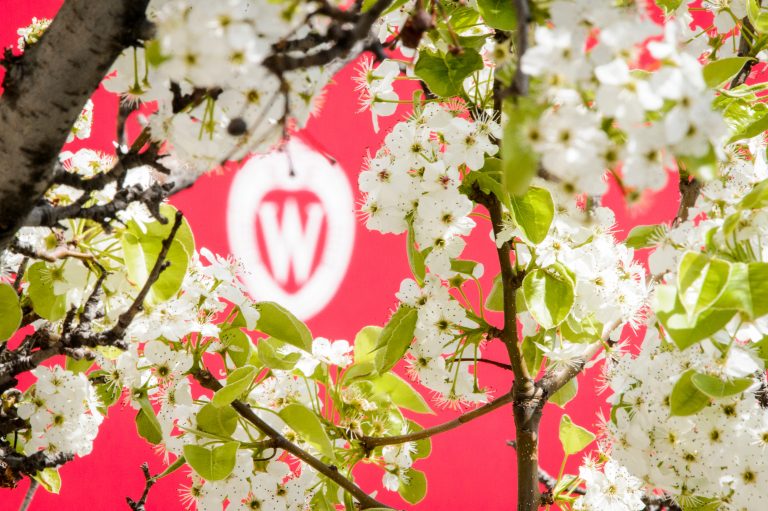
{"x":71,"y":341}
{"x":45,"y":91}
{"x":149,"y":481}
{"x":369,"y":443}
{"x":207,"y":380}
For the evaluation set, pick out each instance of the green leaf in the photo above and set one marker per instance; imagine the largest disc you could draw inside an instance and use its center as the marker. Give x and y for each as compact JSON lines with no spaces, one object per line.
{"x":160,"y":231}
{"x":746,"y":290}
{"x":686,"y":398}
{"x":10,"y":312}
{"x":644,"y":236}
{"x":715,"y":387}
{"x":237,"y":344}
{"x":489,"y":180}
{"x":416,"y":489}
{"x":276,"y":321}
{"x":212,"y":464}
{"x":566,"y":393}
{"x":549,"y":297}
{"x":495,"y":300}
{"x":140,"y":255}
{"x":270,"y":356}
{"x":757,"y":16}
{"x":307,"y":425}
{"x":148,"y":427}
{"x":700,"y":281}
{"x":393,"y":388}
{"x":423,"y":447}
{"x":366,"y":341}
{"x":46,"y":304}
{"x":573,"y":438}
{"x":444,"y":73}
{"x":752,"y":129}
{"x":217,"y":421}
{"x":757,"y":198}
{"x":108,"y":392}
{"x":77,"y":366}
{"x":719,"y":71}
{"x":669,"y":5}
{"x":532,"y":354}
{"x":415,"y":257}
{"x":238,"y":382}
{"x":533,"y":213}
{"x":499,"y":14}
{"x":684,"y":330}
{"x":395,"y":338}
{"x":519,"y":162}
{"x":586,"y":330}
{"x":49,"y":479}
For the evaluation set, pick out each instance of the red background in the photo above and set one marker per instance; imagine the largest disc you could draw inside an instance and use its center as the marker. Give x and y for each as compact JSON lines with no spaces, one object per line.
{"x":470,"y":467}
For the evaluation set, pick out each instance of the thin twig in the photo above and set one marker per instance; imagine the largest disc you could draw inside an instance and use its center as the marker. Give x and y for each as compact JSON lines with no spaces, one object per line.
{"x":369,"y":443}
{"x":33,"y":485}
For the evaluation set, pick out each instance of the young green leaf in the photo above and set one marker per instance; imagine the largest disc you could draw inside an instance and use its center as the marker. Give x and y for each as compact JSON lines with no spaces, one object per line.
{"x":140,"y":254}
{"x":548,"y":297}
{"x":686,"y":398}
{"x":276,"y":321}
{"x":212,"y":464}
{"x":148,"y":427}
{"x":683,"y":330}
{"x":237,"y":344}
{"x":444,"y":73}
{"x":44,"y":302}
{"x":520,"y":162}
{"x":415,"y":257}
{"x":269,"y":355}
{"x":533,"y":213}
{"x":395,"y":338}
{"x":238,"y":382}
{"x":415,"y":489}
{"x":574,"y":438}
{"x":393,"y":388}
{"x":306,"y":424}
{"x":716,"y":387}
{"x":10,"y":312}
{"x":722,"y":70}
{"x":746,"y":290}
{"x":566,"y":393}
{"x":700,"y":281}
{"x":499,"y":14}
{"x":49,"y":479}
{"x":644,"y":236}
{"x":217,"y":421}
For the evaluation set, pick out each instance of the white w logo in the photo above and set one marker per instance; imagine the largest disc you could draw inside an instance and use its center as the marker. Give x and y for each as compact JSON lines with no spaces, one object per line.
{"x":288,"y":243}
{"x":290,"y":246}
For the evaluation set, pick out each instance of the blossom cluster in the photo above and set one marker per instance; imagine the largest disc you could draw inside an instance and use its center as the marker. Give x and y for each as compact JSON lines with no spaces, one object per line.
{"x":679,"y":453}
{"x":220,"y":50}
{"x":629,"y":120}
{"x":63,"y":412}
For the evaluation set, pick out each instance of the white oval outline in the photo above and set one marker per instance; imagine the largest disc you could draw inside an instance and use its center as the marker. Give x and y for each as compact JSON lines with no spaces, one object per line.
{"x":314,"y":173}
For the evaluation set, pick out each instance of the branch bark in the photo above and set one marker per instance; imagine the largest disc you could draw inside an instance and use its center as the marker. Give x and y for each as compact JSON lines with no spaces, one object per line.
{"x":45,"y":91}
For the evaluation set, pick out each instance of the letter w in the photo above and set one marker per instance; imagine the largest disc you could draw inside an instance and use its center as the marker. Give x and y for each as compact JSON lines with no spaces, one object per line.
{"x":288,"y":242}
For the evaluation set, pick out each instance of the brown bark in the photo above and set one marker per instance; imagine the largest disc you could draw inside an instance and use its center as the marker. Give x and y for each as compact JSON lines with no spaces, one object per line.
{"x":45,"y":91}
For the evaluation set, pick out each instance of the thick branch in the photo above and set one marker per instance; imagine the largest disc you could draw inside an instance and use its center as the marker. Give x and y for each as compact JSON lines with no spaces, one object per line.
{"x":369,"y":443}
{"x":45,"y":91}
{"x":331,"y":472}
